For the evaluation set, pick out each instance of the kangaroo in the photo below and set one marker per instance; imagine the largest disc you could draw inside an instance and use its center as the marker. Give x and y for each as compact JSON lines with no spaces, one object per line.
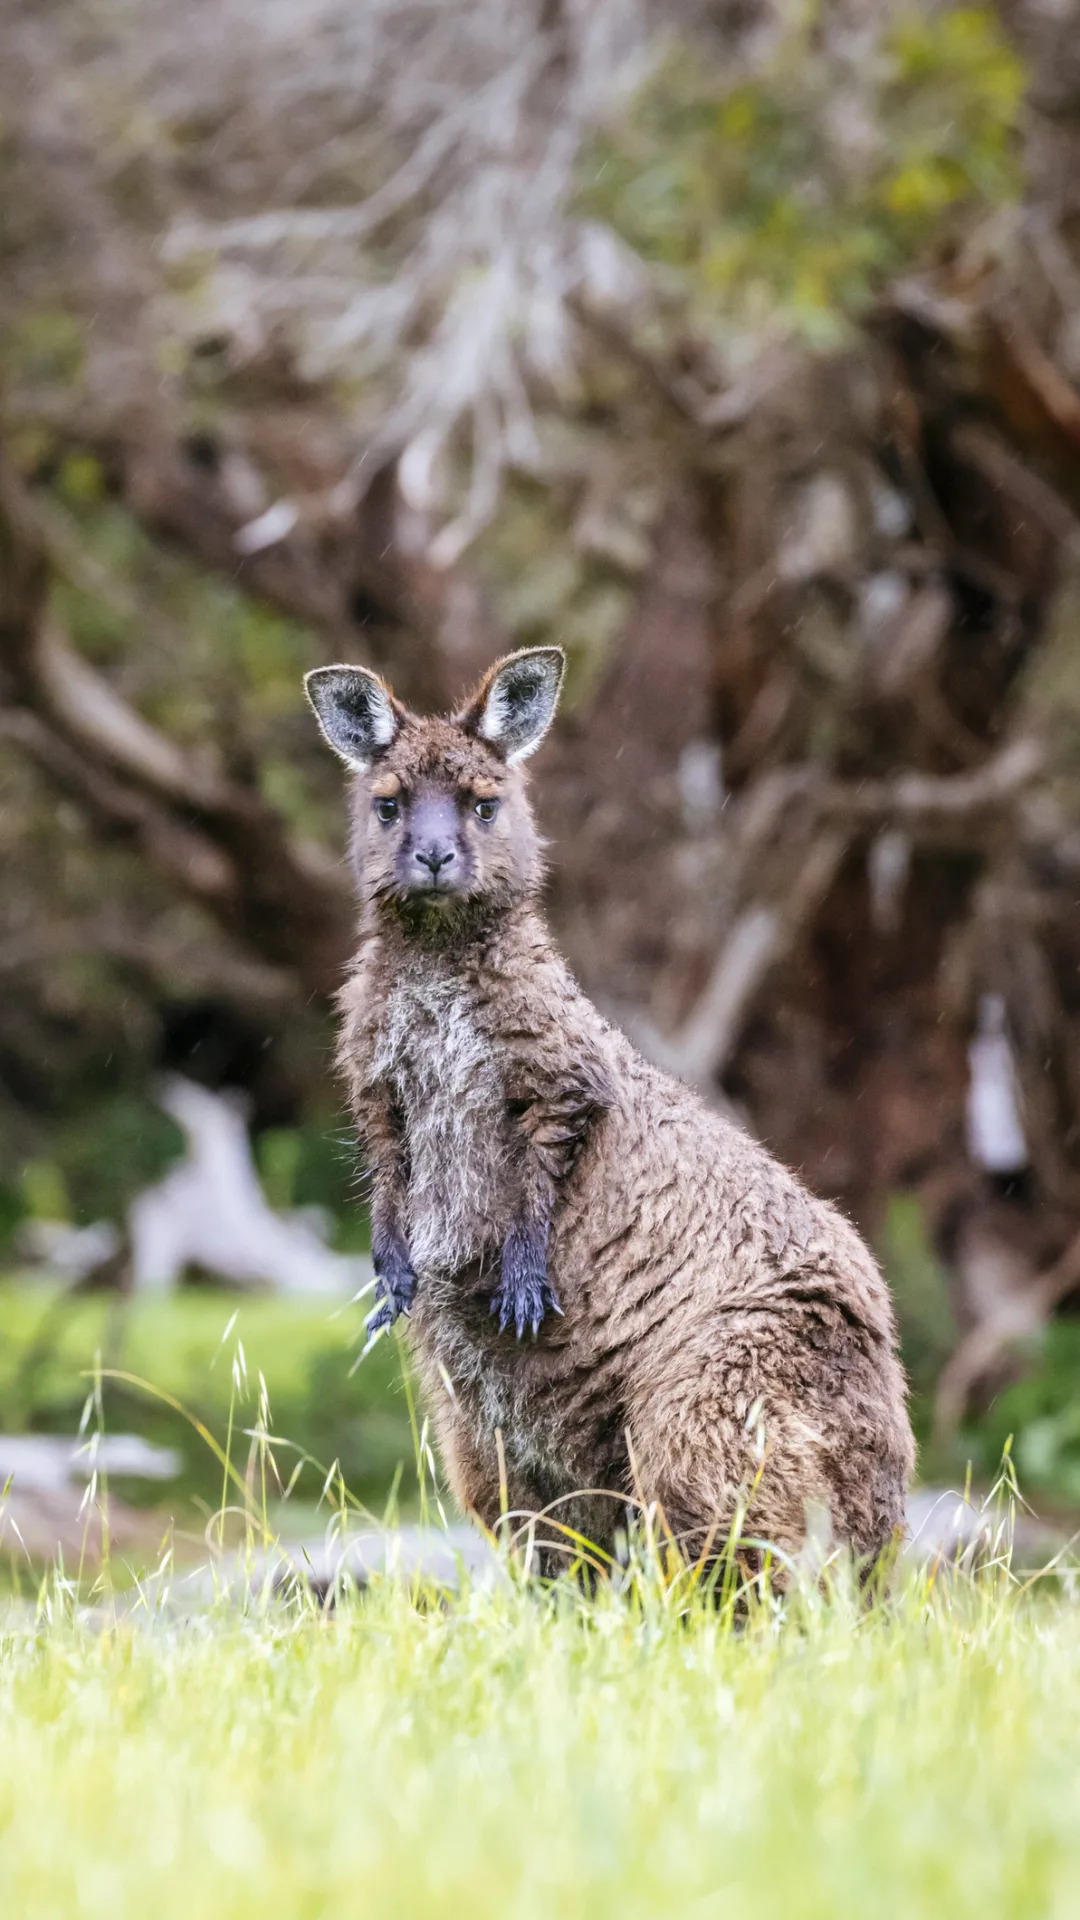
{"x":612,"y":1290}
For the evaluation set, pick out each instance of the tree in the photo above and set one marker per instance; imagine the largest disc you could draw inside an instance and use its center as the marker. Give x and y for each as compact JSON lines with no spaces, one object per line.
{"x":738,"y":352}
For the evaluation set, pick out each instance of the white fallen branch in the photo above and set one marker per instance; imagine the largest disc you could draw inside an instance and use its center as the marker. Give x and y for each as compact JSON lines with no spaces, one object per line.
{"x":211,"y":1213}
{"x":71,"y":1251}
{"x":48,"y":1462}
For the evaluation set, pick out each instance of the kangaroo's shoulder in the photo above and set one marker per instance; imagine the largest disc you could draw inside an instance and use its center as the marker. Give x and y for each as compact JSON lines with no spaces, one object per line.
{"x":363,"y":993}
{"x":541,"y":1018}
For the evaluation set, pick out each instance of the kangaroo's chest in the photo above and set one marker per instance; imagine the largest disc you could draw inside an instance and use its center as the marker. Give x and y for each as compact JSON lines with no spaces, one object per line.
{"x":446,"y":1076}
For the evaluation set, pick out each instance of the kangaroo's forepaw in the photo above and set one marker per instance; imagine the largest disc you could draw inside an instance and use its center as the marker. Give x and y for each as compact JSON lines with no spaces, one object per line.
{"x":395,"y":1286}
{"x":524,"y":1294}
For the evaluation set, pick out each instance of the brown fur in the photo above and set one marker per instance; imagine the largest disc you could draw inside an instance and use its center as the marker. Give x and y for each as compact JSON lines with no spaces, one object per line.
{"x":722,"y":1333}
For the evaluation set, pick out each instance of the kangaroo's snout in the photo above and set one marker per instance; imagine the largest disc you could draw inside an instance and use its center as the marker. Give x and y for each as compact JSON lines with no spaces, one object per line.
{"x":435,"y":857}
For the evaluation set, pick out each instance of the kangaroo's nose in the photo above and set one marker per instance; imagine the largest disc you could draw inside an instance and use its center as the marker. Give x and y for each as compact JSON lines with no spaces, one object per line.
{"x":435,"y":857}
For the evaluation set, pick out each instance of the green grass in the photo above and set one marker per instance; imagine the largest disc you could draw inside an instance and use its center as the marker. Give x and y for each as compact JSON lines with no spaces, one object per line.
{"x":515,"y":1753}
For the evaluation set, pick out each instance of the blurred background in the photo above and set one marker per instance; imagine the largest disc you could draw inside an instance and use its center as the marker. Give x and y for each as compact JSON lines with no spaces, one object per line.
{"x":733,"y":346}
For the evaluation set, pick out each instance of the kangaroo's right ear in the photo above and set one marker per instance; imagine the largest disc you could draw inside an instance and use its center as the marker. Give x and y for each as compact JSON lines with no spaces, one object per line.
{"x":357,"y":712}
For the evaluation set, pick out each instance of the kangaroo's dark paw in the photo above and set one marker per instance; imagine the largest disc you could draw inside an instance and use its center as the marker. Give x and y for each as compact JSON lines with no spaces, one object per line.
{"x":382,"y":1316}
{"x":395,"y":1286}
{"x":524,"y":1294}
{"x":390,"y":1304}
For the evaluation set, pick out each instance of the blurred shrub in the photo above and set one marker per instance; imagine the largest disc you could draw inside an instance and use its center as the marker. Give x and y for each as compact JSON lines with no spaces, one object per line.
{"x":107,"y":1155}
{"x":43,"y":1192}
{"x":1041,"y":1410}
{"x":316,"y":1166}
{"x":216,"y":669}
{"x":104,"y":1153}
{"x":12,"y":1211}
{"x":783,"y":200}
{"x":303,"y":1351}
{"x":927,"y":1326}
{"x":920,"y":1290}
{"x":542,"y":582}
{"x":46,"y":347}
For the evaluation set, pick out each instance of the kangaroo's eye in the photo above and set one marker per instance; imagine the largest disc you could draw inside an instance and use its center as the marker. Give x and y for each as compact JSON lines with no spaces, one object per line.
{"x":486,"y":809}
{"x":387,"y":810}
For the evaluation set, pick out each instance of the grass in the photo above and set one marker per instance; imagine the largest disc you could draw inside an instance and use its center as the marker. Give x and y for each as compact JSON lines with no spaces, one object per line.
{"x":521,"y":1753}
{"x":517,"y":1751}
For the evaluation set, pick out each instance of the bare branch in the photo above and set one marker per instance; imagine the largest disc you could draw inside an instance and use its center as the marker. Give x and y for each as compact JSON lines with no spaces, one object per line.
{"x":204,"y":969}
{"x":121,"y":813}
{"x":783,"y":901}
{"x":1043,"y":379}
{"x":988,"y":453}
{"x":220,"y":841}
{"x":761,"y":935}
{"x":86,"y":708}
{"x":1020,"y":1316}
{"x":922,"y":802}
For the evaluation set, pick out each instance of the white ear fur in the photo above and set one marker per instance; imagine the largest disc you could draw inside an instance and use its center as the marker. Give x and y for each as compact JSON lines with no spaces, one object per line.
{"x":355,"y":712}
{"x":520,"y":701}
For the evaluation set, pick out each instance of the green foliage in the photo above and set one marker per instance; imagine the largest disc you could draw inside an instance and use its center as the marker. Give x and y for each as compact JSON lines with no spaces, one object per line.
{"x":1041,"y":1409}
{"x":217,"y":670}
{"x":1038,"y":1411}
{"x":784,"y":198}
{"x":12,"y":1210}
{"x":80,"y":480}
{"x":279,"y":1152}
{"x":109,"y":1154}
{"x":49,"y":1344}
{"x":920,"y":1290}
{"x":46,"y":347}
{"x":316,"y":1166}
{"x":544,"y":588}
{"x":103,"y":1154}
{"x":100,"y":1156}
{"x":44,"y":1191}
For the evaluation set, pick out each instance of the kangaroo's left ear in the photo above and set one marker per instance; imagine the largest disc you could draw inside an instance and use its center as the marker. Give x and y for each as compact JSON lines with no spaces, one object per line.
{"x":514,"y":705}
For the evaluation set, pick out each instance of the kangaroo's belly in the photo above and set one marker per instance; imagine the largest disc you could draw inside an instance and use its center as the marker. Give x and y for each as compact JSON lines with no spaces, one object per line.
{"x":447,"y":1082}
{"x":560,"y":1420}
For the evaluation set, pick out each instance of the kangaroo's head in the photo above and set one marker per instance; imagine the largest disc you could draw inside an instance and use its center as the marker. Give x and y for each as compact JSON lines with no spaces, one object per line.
{"x":442,"y":828}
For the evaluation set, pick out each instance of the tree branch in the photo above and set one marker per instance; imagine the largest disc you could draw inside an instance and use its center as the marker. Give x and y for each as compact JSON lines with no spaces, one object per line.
{"x":765,"y":930}
{"x":217,"y":970}
{"x":923,"y":802}
{"x":219,"y":840}
{"x":1020,"y":1317}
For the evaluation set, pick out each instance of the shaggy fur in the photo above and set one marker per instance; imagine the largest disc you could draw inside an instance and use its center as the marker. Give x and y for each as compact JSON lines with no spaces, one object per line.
{"x":600,"y":1270}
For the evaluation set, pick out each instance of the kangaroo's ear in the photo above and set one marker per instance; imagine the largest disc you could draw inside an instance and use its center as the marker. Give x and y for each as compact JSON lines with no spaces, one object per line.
{"x":357,"y":712}
{"x":514,"y":705}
